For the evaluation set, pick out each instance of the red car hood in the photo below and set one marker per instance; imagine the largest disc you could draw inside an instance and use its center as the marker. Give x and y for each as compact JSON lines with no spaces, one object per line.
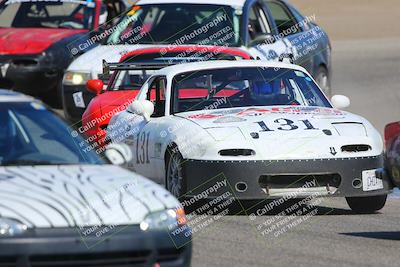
{"x":31,"y":40}
{"x":107,"y":104}
{"x":112,"y":99}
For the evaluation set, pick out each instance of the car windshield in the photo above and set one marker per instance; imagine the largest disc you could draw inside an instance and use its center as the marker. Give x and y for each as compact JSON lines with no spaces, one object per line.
{"x":32,"y":135}
{"x":244,"y":87}
{"x":128,"y":80}
{"x":71,"y":14}
{"x":178,"y":24}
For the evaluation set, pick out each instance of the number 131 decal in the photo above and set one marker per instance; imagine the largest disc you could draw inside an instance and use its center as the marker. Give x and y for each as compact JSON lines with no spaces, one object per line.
{"x":286,"y":125}
{"x":142,"y":148}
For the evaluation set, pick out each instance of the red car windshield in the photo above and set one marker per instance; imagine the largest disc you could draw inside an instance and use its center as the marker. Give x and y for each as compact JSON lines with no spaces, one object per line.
{"x":71,"y":14}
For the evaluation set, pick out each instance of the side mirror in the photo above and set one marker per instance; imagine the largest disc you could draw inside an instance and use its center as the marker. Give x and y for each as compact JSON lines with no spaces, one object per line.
{"x":143,"y":108}
{"x":118,"y":154}
{"x":263,"y":39}
{"x":340,"y":101}
{"x":95,"y":86}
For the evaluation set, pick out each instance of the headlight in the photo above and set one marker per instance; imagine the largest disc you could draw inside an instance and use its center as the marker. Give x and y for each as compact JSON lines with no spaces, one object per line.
{"x":350,"y":129}
{"x":10,"y":227}
{"x":76,"y":78}
{"x":225,"y":133}
{"x":164,"y":220}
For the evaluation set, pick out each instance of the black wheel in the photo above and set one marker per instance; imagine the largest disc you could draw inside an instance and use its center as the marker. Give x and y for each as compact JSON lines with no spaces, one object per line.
{"x":323,"y":79}
{"x":174,"y":173}
{"x":366,"y":204}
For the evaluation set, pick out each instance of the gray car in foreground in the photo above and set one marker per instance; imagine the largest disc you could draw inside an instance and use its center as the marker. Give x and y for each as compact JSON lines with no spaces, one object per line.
{"x":63,"y":205}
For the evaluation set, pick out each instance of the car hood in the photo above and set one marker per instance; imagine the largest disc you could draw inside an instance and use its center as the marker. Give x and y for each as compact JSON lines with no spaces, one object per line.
{"x":116,"y":98}
{"x":16,"y":41}
{"x":286,"y":131}
{"x":78,"y":195}
{"x":246,"y":118}
{"x":107,"y":104}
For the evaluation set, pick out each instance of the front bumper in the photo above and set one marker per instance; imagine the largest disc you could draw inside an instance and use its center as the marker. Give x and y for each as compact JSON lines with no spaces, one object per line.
{"x":31,"y":74}
{"x":71,"y":110}
{"x":276,"y":178}
{"x":65,"y":247}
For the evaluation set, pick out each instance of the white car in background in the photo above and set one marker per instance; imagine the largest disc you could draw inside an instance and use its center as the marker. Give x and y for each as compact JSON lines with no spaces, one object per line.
{"x":264,"y":29}
{"x":265,"y":126}
{"x":61,"y":204}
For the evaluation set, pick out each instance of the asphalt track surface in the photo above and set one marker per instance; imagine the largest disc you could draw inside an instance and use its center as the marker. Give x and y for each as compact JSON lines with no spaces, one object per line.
{"x":368,"y":72}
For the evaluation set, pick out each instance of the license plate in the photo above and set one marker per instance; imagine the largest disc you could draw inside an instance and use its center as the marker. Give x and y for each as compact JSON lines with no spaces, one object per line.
{"x":370,"y":181}
{"x":78,"y":100}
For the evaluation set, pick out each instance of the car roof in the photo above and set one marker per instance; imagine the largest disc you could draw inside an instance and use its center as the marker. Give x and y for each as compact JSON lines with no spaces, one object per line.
{"x":11,"y":96}
{"x":223,"y":64}
{"x":239,"y":3}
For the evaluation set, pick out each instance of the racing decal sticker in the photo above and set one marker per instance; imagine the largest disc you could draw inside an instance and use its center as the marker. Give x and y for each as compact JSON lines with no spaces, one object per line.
{"x":142,"y":148}
{"x":290,"y":110}
{"x":263,"y":110}
{"x":204,"y":116}
{"x":286,"y":125}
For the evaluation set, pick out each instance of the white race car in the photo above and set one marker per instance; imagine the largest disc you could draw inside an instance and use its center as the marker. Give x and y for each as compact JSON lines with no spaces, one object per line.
{"x":265,"y":127}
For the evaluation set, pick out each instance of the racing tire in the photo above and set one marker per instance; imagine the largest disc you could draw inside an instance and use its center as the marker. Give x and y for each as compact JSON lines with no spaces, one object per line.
{"x":366,"y":205}
{"x":174,"y":173}
{"x":323,"y":80}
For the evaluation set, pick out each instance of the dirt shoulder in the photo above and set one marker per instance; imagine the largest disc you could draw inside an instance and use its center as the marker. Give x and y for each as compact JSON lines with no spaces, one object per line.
{"x":354,"y":19}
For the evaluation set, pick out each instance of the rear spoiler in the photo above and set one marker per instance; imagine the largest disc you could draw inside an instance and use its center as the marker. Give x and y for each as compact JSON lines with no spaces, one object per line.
{"x":143,"y":66}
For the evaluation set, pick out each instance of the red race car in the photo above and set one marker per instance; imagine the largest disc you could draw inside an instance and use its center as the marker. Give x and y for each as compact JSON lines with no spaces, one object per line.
{"x":38,"y":40}
{"x":124,"y":85}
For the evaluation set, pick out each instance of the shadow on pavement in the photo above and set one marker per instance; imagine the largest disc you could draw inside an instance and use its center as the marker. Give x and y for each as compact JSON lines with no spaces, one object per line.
{"x":262,"y":208}
{"x":252,"y":207}
{"x":395,"y":235}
